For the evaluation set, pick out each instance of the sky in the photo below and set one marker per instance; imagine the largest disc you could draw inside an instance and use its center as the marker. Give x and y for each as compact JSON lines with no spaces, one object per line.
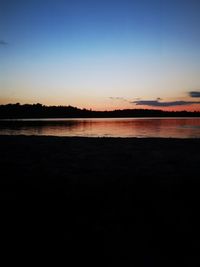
{"x":101,"y":55}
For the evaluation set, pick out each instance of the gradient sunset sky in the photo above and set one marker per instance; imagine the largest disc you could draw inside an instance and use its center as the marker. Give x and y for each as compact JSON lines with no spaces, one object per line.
{"x":101,"y":54}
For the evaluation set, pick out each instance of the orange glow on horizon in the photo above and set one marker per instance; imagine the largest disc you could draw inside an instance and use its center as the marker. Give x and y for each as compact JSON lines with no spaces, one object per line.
{"x":103,"y":104}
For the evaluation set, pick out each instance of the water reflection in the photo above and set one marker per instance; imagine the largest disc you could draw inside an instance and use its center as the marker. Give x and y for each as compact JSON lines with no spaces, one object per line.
{"x":123,"y":127}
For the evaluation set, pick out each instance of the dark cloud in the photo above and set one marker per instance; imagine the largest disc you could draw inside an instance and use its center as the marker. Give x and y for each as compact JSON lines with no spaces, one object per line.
{"x":157,"y":103}
{"x":2,"y":42}
{"x":194,"y":93}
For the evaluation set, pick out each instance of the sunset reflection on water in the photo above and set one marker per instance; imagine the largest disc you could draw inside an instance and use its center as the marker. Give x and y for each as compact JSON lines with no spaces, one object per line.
{"x":112,"y":127}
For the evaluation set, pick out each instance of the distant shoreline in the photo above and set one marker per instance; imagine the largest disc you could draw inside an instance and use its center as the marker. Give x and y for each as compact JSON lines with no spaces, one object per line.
{"x":17,"y":111}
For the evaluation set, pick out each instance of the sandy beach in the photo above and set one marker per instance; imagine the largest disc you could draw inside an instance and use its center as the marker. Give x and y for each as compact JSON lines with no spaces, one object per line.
{"x":108,"y":201}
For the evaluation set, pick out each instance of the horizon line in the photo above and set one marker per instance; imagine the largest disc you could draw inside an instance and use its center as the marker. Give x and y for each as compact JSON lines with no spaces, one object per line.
{"x":101,"y":111}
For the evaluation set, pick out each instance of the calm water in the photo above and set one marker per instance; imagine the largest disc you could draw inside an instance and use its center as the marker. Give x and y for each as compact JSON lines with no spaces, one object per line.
{"x":121,"y":127}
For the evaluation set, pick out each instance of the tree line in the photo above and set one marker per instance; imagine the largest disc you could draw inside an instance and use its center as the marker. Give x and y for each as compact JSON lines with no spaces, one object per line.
{"x":14,"y":111}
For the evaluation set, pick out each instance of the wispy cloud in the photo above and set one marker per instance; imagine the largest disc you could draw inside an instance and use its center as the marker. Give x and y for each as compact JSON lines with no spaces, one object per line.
{"x":119,"y":98}
{"x":194,"y":93}
{"x":2,"y":42}
{"x":157,"y":103}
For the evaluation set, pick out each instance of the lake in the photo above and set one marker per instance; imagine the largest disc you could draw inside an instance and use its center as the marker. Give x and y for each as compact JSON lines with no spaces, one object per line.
{"x":105,"y":127}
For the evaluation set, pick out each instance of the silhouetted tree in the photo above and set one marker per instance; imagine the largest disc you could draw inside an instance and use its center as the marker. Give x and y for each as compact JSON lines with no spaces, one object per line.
{"x":41,"y":111}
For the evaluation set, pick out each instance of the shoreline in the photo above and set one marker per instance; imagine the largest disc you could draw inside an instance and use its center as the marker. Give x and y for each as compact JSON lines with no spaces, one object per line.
{"x":177,"y":157}
{"x":25,"y":136}
{"x":104,"y":201}
{"x":95,"y":137}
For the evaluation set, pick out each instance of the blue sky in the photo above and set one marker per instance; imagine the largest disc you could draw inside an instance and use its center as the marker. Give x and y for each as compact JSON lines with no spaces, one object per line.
{"x":100,"y":54}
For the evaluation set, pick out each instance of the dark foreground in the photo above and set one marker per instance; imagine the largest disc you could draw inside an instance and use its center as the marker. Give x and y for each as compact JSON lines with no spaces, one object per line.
{"x":101,"y":202}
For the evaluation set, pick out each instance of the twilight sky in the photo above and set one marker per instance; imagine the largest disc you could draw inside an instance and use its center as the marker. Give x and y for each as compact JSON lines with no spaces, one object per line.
{"x":101,"y":54}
